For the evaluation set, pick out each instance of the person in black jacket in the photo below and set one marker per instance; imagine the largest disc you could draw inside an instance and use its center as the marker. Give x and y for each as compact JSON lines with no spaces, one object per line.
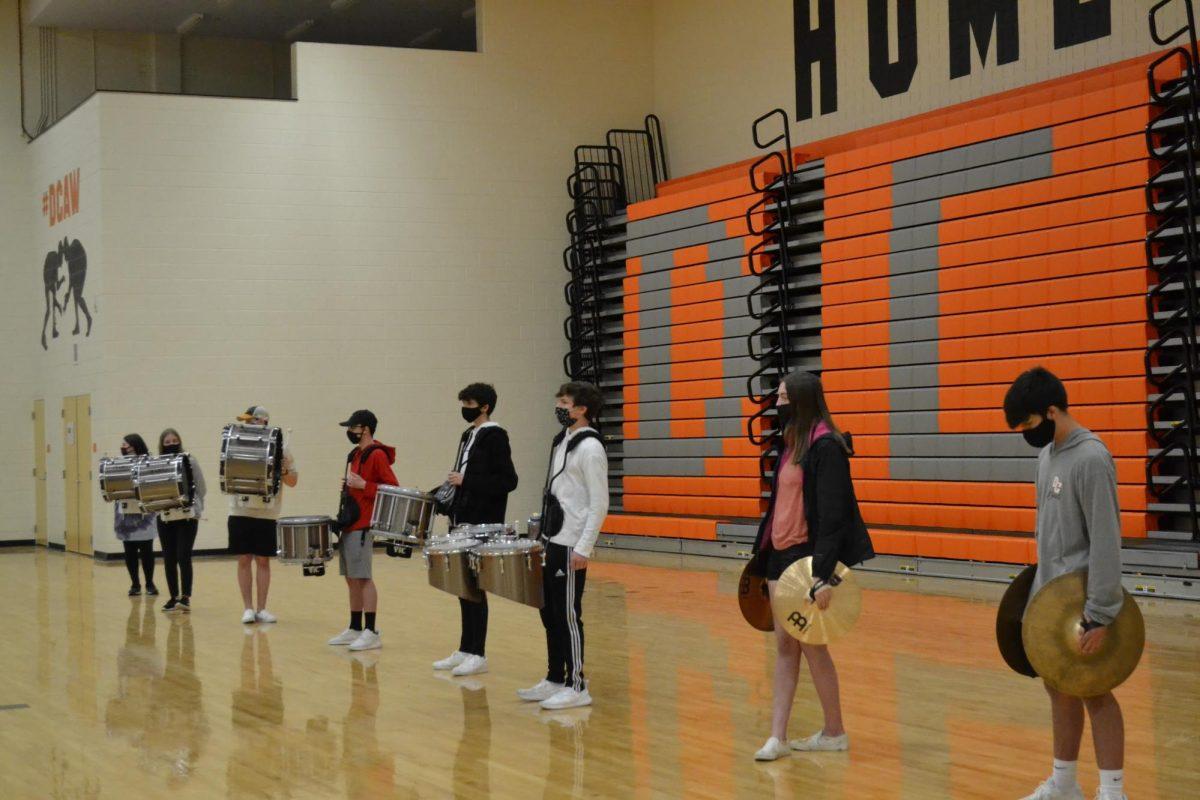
{"x":483,"y":476}
{"x":812,"y":512}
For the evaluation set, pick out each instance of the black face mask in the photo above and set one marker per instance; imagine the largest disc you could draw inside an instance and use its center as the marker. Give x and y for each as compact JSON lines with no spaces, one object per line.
{"x":471,"y":414}
{"x":354,"y":438}
{"x":171,"y":449}
{"x":563,"y":416}
{"x":783,"y":413}
{"x":1042,"y":435}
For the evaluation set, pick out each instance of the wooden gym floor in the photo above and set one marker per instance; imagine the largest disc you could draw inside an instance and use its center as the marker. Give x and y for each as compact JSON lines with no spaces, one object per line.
{"x":103,"y":696}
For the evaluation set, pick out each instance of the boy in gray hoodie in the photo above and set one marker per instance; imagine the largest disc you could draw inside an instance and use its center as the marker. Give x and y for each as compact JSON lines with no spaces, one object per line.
{"x":1078,"y":527}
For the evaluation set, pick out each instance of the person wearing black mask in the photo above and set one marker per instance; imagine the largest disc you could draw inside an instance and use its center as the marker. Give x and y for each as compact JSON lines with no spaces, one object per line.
{"x":483,"y":477}
{"x":177,"y":530}
{"x":136,"y":530}
{"x":1078,"y":528}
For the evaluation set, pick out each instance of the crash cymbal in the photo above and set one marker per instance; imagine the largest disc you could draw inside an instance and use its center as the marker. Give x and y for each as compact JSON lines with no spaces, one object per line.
{"x":800,"y":617}
{"x":1050,"y":633}
{"x":1008,"y":622}
{"x":753,"y":599}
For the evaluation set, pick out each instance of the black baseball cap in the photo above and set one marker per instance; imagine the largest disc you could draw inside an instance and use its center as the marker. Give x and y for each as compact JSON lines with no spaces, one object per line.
{"x":361,"y":417}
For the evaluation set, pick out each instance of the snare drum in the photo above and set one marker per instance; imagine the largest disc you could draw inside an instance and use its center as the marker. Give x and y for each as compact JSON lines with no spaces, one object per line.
{"x":449,"y":566}
{"x":511,"y":569}
{"x":402,"y":515}
{"x":116,"y":478}
{"x":304,"y":540}
{"x":251,"y":460}
{"x":163,"y":482}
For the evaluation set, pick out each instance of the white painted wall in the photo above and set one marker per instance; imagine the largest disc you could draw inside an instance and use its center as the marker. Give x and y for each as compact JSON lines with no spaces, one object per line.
{"x":391,"y":236}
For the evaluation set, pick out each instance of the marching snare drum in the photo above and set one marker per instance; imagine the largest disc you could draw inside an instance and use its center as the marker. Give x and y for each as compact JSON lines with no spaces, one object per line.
{"x":449,"y":566}
{"x":163,"y":482}
{"x":402,"y":515}
{"x":306,"y":541}
{"x":116,"y":478}
{"x":251,"y":460}
{"x":511,"y":569}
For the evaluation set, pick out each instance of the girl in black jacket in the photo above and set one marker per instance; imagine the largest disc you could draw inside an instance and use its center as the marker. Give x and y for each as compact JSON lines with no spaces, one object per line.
{"x":483,"y":476}
{"x":812,"y":512}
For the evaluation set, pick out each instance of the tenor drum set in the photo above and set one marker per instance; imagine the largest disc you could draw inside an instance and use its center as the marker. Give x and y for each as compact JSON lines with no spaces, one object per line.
{"x":473,"y":559}
{"x":149,"y":484}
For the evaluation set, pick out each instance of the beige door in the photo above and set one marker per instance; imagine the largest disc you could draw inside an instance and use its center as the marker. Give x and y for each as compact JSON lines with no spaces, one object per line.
{"x":39,"y":471}
{"x":77,"y":472}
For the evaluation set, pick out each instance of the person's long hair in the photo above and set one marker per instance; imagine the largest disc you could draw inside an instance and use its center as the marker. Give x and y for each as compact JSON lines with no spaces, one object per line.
{"x":138,"y":444}
{"x":807,"y":398}
{"x":163,"y":436}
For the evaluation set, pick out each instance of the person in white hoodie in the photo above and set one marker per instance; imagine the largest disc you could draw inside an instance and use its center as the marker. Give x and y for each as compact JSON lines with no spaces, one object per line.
{"x":1078,"y":528}
{"x":574,"y":505}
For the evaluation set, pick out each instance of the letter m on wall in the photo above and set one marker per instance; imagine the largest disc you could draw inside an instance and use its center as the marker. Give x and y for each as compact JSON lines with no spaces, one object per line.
{"x":976,"y":20}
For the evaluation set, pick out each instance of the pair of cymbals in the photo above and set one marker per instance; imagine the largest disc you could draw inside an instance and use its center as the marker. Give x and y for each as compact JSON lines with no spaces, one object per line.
{"x":798,"y":613}
{"x":1050,"y":634}
{"x":753,"y":598}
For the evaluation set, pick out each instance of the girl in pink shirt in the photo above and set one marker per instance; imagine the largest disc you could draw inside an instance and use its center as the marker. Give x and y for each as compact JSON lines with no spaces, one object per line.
{"x":815,"y":465}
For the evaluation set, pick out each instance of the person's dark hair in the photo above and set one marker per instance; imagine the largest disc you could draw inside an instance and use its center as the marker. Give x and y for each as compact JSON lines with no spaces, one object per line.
{"x":807,"y":398}
{"x":169,"y":432}
{"x":584,"y":394}
{"x":1033,"y":392}
{"x":137,"y":443}
{"x":482,"y":393}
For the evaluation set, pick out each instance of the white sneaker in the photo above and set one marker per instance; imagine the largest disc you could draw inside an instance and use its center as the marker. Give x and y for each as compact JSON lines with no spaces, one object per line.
{"x":348,"y":636}
{"x":1100,"y":795}
{"x":248,"y":616}
{"x":567,"y":697}
{"x":772,"y":750}
{"x":367,"y":640}
{"x":471,"y":665}
{"x":819,"y":741}
{"x":266,"y":616}
{"x":451,"y":661}
{"x":542,"y":690}
{"x":1048,"y":791}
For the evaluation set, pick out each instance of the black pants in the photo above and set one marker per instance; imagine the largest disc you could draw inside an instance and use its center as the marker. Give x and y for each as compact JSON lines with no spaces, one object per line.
{"x":140,"y":551}
{"x":474,"y":626}
{"x":178,"y":537}
{"x":562,"y":616}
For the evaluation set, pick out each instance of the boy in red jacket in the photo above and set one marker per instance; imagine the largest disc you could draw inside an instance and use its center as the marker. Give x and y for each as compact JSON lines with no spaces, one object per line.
{"x":369,"y":467}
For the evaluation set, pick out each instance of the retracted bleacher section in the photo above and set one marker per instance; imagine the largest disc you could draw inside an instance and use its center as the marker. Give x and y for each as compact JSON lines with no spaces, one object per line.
{"x":956,"y":250}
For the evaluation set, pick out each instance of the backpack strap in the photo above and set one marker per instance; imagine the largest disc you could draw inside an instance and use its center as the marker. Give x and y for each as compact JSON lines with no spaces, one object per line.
{"x":571,"y":445}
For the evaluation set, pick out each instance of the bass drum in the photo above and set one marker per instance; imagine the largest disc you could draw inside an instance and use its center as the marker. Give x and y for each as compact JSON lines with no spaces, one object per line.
{"x":164,"y":482}
{"x":251,"y":460}
{"x":116,"y":478}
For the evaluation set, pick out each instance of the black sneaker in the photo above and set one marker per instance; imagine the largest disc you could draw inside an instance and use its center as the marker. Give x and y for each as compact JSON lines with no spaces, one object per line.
{"x":184,"y":605}
{"x":152,"y":590}
{"x":135,"y":590}
{"x":170,"y":606}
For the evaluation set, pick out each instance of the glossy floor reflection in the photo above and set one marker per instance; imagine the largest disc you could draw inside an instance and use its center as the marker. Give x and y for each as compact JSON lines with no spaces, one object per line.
{"x":124,"y":701}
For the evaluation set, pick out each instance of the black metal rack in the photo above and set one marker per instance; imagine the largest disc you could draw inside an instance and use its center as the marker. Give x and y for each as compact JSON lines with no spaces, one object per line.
{"x":786,"y":302}
{"x":606,"y":178}
{"x":1172,"y":360}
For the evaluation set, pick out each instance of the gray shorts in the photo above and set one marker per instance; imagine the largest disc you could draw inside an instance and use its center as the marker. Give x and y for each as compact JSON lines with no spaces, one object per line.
{"x":354,"y":554}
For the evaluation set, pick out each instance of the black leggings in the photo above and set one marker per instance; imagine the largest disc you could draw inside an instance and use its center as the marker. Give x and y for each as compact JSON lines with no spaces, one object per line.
{"x":474,"y":626}
{"x":178,"y":538}
{"x":143,"y":551}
